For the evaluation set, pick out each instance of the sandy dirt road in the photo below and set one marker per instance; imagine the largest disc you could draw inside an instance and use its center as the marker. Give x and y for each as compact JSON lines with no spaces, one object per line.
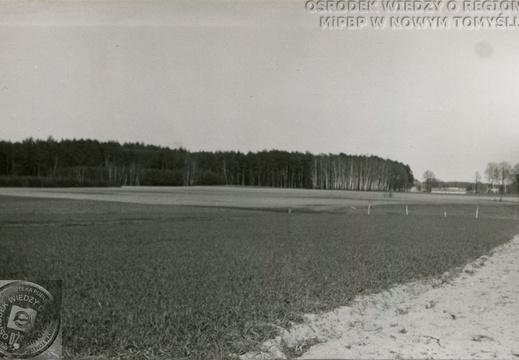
{"x":471,"y":314}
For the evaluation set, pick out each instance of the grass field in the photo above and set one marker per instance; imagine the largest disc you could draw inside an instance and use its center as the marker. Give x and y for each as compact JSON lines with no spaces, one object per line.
{"x":252,"y":197}
{"x":145,"y":280}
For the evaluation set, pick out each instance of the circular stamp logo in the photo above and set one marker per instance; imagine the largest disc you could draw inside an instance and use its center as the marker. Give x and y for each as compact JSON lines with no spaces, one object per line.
{"x":29,"y":319}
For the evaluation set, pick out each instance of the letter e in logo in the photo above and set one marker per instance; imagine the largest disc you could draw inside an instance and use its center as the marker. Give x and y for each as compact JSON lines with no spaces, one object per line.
{"x":21,"y":319}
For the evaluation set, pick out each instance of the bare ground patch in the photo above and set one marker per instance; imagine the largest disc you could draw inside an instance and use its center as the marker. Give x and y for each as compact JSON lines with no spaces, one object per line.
{"x":470,"y":314}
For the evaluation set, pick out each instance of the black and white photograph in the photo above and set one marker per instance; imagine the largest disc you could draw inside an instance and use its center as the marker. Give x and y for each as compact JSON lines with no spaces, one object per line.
{"x":259,"y":179}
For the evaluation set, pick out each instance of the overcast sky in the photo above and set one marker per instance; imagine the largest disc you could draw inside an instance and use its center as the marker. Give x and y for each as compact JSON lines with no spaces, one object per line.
{"x":253,"y":75}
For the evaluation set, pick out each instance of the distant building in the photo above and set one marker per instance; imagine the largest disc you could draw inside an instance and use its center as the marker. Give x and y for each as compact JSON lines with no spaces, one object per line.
{"x":448,"y":190}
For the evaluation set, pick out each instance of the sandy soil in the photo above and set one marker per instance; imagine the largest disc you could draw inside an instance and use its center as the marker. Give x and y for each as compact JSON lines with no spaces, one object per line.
{"x":471,"y":314}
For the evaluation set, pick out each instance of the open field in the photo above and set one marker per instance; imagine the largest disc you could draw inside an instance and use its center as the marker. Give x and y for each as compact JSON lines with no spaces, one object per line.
{"x":146,"y":275}
{"x":251,"y":197}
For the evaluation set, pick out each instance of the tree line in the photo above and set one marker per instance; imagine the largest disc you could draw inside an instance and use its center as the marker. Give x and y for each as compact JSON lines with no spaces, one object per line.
{"x":501,"y":178}
{"x":82,"y":162}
